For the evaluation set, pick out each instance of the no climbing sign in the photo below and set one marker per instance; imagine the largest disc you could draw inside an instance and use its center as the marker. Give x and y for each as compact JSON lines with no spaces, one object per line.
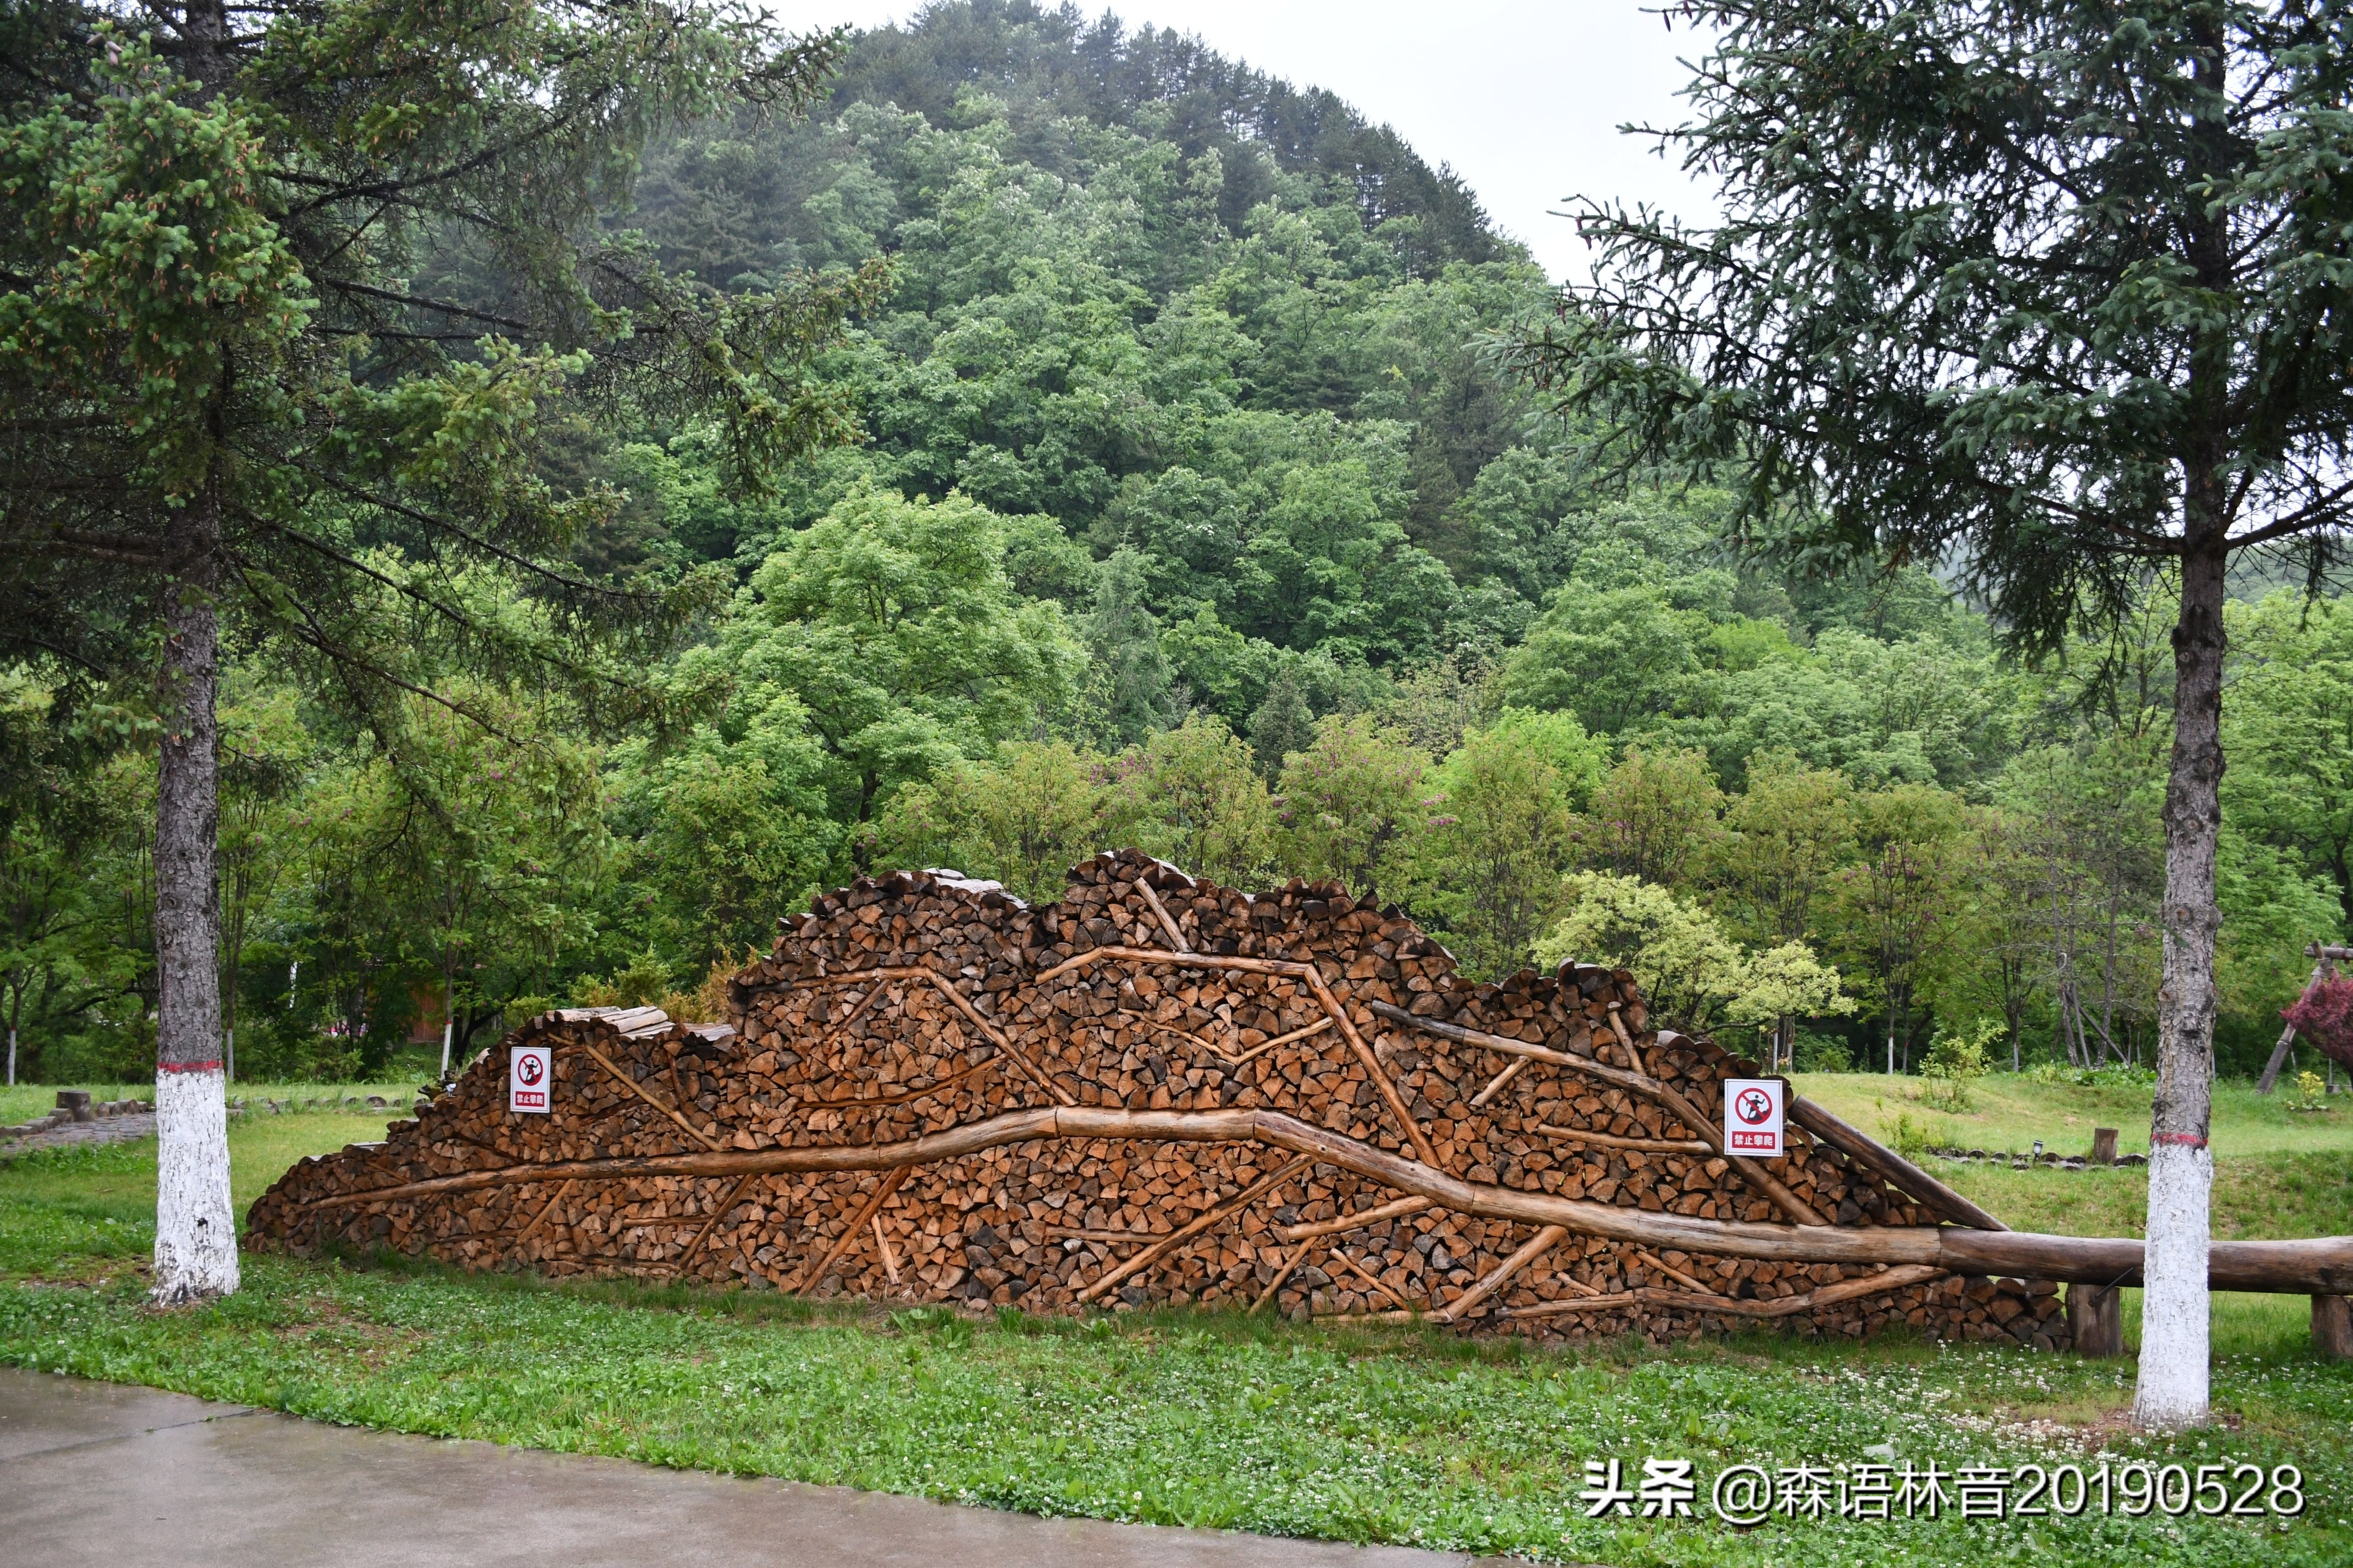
{"x":1753,"y":1112}
{"x":528,"y":1071}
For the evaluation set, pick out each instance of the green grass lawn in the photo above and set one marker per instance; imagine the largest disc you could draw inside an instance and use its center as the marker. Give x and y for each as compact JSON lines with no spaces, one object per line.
{"x":1399,"y":1434}
{"x":2010,"y":1112}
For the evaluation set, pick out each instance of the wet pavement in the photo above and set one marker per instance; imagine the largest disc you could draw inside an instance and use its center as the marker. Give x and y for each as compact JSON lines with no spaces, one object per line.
{"x":103,"y":1473}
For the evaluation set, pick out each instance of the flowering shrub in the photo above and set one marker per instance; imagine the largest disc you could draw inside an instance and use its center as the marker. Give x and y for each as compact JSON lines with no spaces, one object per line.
{"x":2324,"y":1014}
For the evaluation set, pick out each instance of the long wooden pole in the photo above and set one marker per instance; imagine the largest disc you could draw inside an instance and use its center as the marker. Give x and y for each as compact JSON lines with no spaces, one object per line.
{"x":626,"y":1081}
{"x":1543,"y":1241}
{"x":1771,"y":1307}
{"x":1889,"y":1166}
{"x":1170,"y":1242}
{"x":678,"y":1264}
{"x":2321,"y":1266}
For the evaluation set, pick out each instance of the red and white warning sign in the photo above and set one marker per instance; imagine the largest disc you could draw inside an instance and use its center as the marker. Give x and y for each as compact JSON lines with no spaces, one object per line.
{"x":530,"y":1071}
{"x":1753,"y":1112}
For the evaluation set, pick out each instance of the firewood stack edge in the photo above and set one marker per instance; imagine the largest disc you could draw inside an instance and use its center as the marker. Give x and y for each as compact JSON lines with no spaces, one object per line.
{"x":1155,"y":1090}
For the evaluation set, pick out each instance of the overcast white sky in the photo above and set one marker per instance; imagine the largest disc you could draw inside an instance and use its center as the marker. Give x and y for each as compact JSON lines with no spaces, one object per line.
{"x":1523,"y":97}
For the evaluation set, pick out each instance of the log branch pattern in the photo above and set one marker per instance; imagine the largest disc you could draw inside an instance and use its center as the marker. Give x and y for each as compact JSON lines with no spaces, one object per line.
{"x":1205,"y":1095}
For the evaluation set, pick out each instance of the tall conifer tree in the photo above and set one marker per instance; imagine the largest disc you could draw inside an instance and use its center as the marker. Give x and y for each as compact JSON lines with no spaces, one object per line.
{"x":286,"y":289}
{"x":2056,"y":292}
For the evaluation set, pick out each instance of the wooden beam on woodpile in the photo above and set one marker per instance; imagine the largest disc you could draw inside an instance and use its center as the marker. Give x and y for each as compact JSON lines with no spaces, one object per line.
{"x":1611,"y":1140}
{"x":1348,"y":1222}
{"x":1497,"y":1084}
{"x":1288,"y":970}
{"x":1766,"y":1307}
{"x":1677,"y":1275}
{"x":634,"y":1087}
{"x":867,"y":1211}
{"x":1543,"y":1241}
{"x":1168,"y":921}
{"x":1889,"y":1166}
{"x":1298,"y":1256}
{"x":1370,"y":1279}
{"x":1751,"y":1171}
{"x":734,"y":1194}
{"x":541,"y":1218}
{"x":1176,"y":1238}
{"x":2322,"y":1264}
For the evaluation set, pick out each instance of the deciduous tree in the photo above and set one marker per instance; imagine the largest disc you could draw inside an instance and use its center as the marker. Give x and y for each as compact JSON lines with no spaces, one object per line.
{"x":1351,"y":803}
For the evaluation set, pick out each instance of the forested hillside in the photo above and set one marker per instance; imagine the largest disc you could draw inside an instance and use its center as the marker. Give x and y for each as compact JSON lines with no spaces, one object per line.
{"x":1191,"y":513}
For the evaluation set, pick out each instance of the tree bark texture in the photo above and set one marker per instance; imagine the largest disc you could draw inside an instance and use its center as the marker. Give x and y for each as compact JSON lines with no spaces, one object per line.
{"x":195,"y":1232}
{"x":2174,"y":1375}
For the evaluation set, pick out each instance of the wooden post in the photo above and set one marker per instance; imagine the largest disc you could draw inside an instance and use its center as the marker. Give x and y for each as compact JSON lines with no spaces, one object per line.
{"x":2332,"y":1328}
{"x":2104,"y":1145}
{"x":2096,"y":1319}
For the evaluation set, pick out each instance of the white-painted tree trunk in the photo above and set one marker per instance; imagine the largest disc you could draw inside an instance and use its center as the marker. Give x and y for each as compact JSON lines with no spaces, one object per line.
{"x":2174,"y":1341}
{"x":2175,"y":1306}
{"x":195,"y":1228}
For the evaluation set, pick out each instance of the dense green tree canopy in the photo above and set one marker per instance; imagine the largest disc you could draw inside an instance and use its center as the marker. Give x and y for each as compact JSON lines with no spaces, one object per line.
{"x":1183,"y":512}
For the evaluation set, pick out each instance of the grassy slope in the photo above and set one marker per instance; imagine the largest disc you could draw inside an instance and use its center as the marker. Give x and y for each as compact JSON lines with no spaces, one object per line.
{"x":1402,"y":1434}
{"x":2011,"y":1111}
{"x":2277,"y":1172}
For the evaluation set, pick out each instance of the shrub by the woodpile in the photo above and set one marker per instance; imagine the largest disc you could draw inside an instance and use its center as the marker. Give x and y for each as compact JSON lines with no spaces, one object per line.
{"x":925,"y":1006}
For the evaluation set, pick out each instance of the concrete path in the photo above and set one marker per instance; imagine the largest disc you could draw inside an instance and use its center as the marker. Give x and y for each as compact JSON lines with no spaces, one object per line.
{"x":100,"y":1473}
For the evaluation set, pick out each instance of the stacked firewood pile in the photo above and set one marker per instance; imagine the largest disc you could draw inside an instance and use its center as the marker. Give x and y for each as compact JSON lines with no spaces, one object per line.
{"x":1160,"y":1090}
